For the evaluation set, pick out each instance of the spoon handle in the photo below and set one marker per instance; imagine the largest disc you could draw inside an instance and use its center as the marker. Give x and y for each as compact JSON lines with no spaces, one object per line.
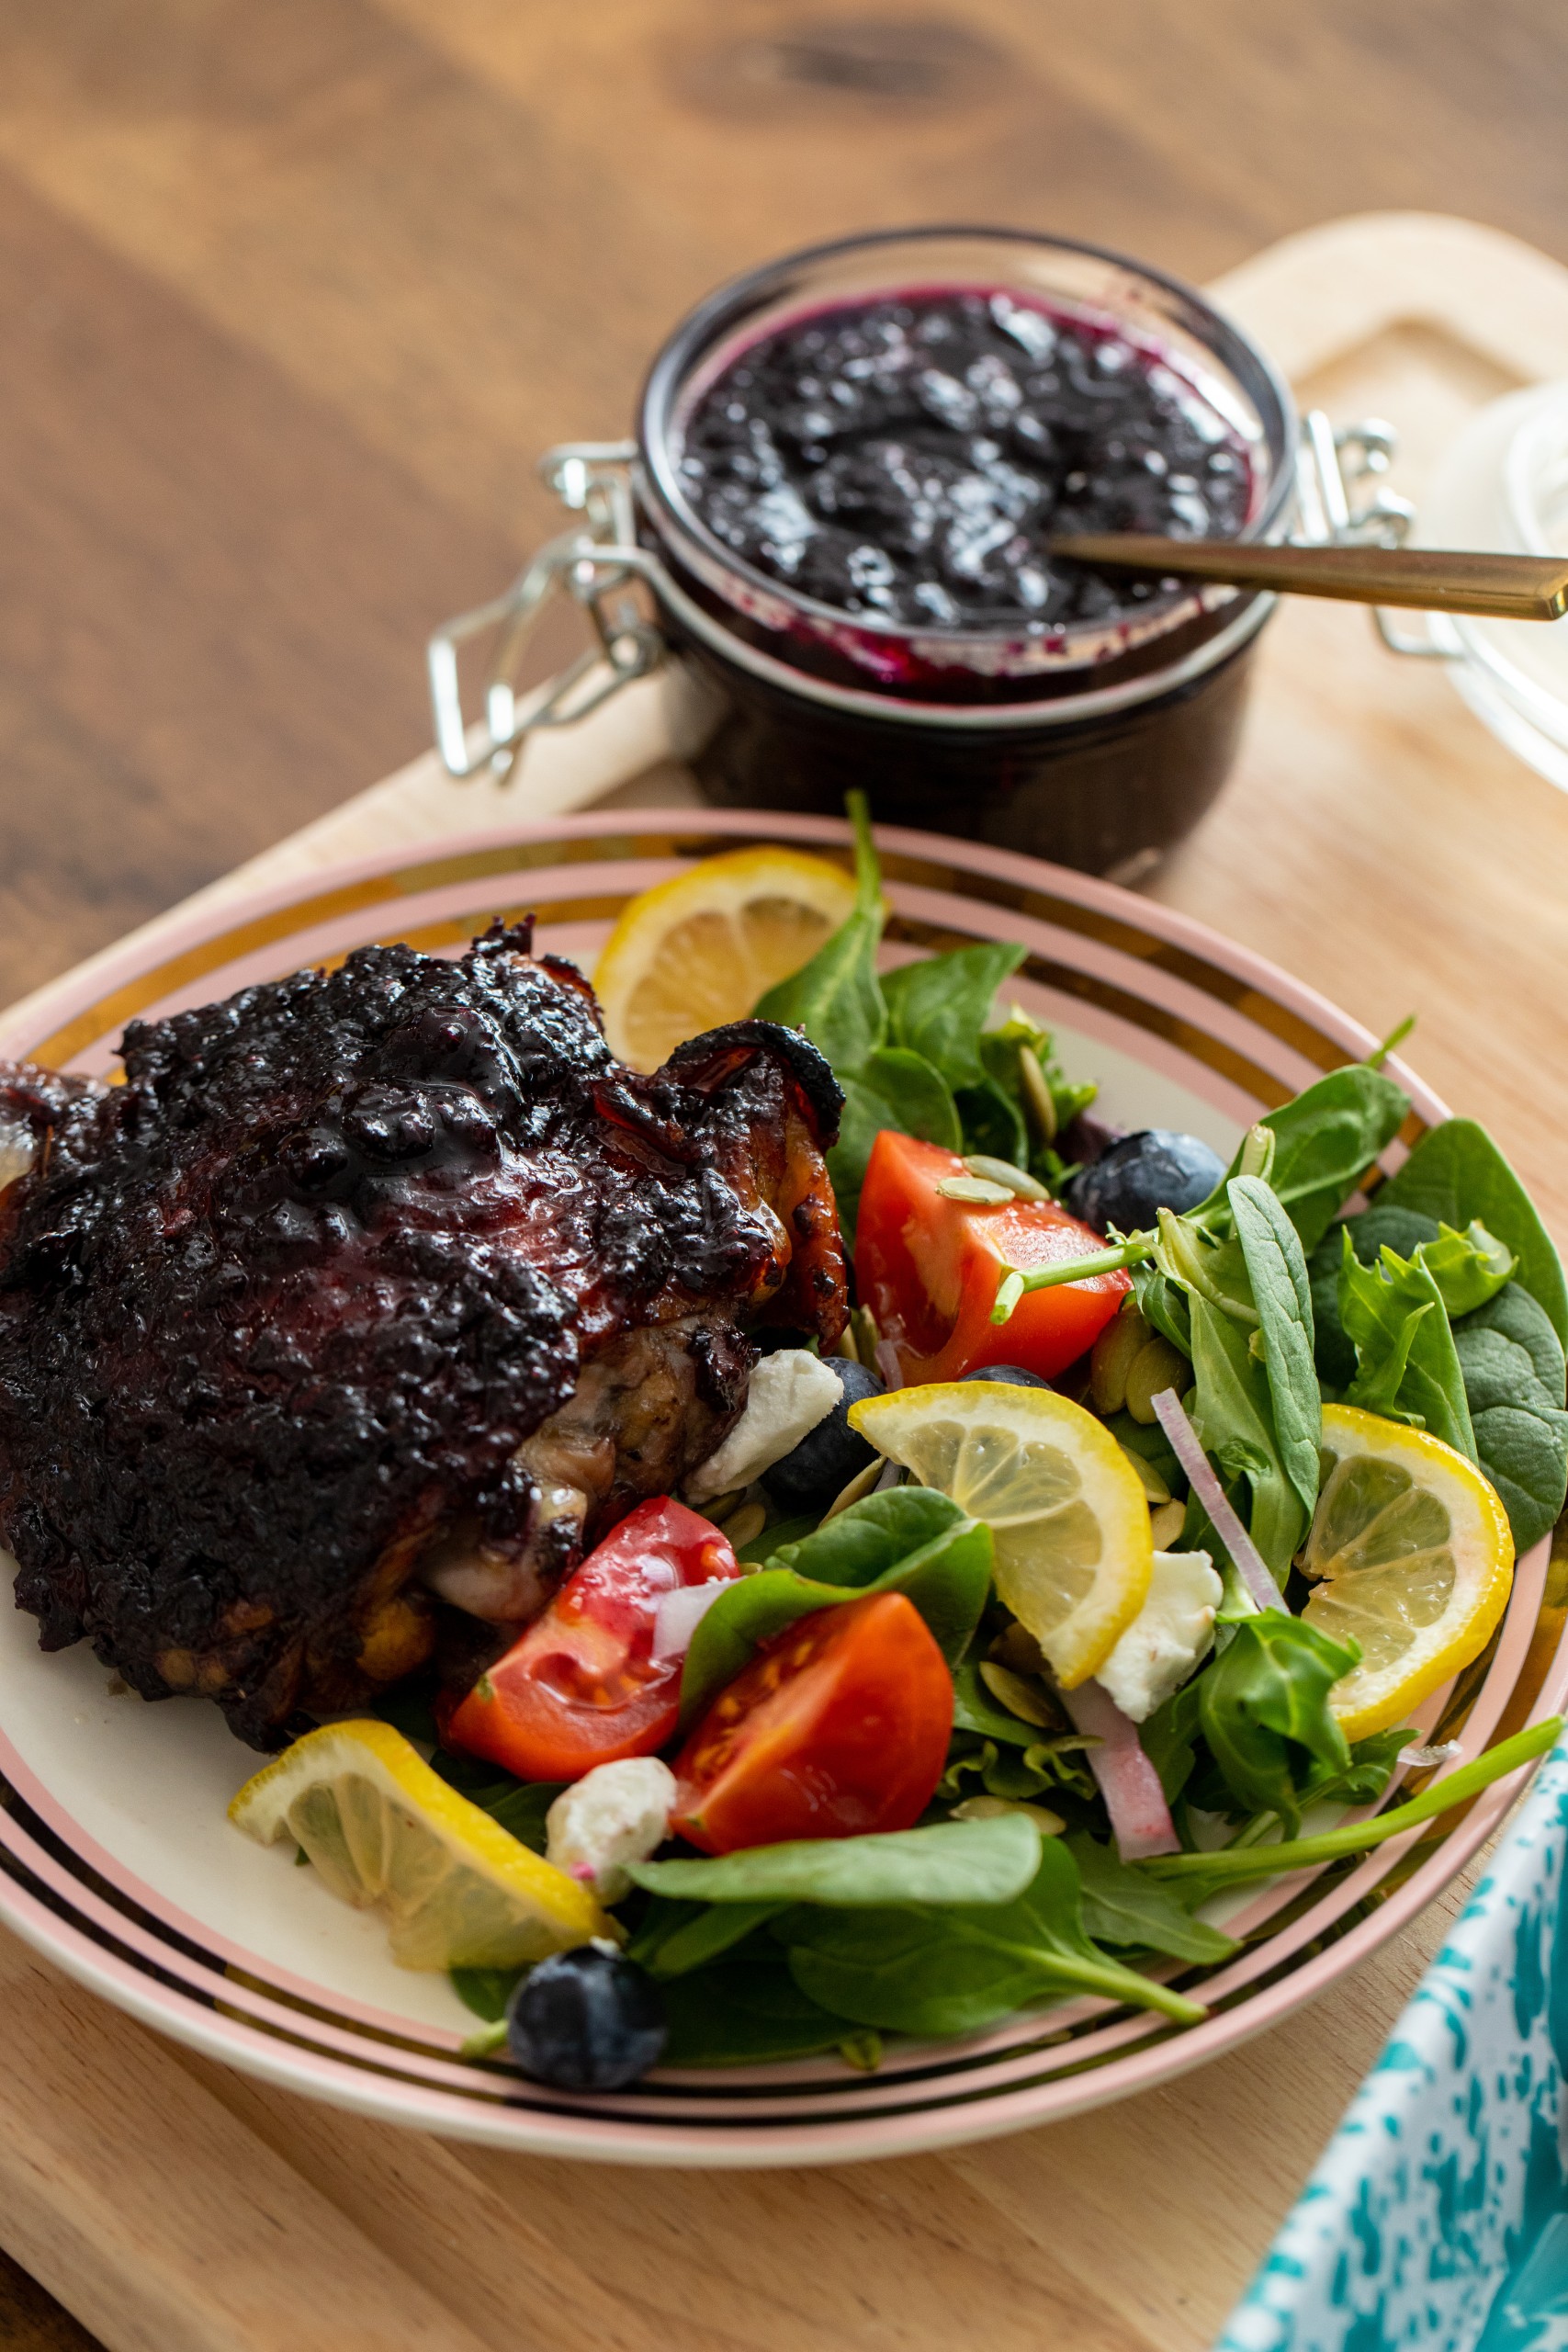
{"x":1434,"y":580}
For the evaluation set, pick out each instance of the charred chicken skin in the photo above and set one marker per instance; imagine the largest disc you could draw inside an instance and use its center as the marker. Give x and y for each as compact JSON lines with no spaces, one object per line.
{"x":374,"y":1286}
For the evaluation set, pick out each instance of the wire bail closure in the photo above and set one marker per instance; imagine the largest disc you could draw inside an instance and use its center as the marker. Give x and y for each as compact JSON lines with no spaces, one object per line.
{"x":600,"y":566}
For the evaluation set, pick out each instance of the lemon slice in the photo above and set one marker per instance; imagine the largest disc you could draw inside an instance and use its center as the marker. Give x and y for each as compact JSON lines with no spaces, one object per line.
{"x":700,"y":950}
{"x":386,"y":1833}
{"x":1414,"y":1561}
{"x":1066,"y":1509}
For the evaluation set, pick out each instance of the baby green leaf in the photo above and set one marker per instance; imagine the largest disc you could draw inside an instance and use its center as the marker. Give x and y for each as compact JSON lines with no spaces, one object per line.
{"x":1117,"y":1908}
{"x":929,"y":1971}
{"x":863,"y":1542}
{"x":917,"y":1095}
{"x":861,"y":1120}
{"x":1277,"y":1274}
{"x":1234,"y":1864}
{"x":1513,"y":1373}
{"x":677,"y":1936}
{"x":1265,"y":1696}
{"x":992,"y":1122}
{"x":1407,"y":1367}
{"x":1326,"y":1140}
{"x":745,"y":2012}
{"x":1235,"y":1418}
{"x":948,"y":1861}
{"x":1456,"y":1173}
{"x":948,"y":1579}
{"x":836,"y":998}
{"x":938,"y":1007}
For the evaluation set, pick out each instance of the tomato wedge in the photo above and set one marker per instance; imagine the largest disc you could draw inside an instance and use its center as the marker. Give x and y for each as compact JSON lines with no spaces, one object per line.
{"x":582,"y":1686}
{"x":838,"y":1726}
{"x":929,"y":1269}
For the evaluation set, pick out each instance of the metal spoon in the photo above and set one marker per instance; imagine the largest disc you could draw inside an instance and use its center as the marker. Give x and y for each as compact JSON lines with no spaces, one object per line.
{"x":1433,"y":579}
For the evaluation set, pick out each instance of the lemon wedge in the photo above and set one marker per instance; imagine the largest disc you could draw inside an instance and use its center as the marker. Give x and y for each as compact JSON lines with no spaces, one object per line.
{"x":700,"y":950}
{"x":1067,"y":1510}
{"x":1414,"y":1561}
{"x":386,"y":1833}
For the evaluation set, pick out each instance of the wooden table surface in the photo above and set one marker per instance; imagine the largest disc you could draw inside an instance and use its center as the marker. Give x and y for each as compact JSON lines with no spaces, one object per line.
{"x":295,"y":292}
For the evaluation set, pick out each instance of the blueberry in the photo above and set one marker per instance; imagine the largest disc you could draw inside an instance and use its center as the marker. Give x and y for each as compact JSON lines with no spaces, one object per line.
{"x":586,"y":2021}
{"x":829,"y":1456}
{"x":1011,"y":1375}
{"x":1156,"y":1168}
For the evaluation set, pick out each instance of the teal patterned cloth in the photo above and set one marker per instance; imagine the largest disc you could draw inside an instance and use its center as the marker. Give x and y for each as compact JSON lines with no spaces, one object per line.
{"x":1428,"y":2222}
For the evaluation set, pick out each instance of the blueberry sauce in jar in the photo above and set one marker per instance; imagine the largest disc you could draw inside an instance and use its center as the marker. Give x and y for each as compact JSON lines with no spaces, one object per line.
{"x":908,"y":459}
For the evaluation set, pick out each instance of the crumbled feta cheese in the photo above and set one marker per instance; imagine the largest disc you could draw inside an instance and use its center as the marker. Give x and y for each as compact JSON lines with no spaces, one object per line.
{"x":1170,"y":1633}
{"x":791,"y":1391}
{"x":614,"y":1814}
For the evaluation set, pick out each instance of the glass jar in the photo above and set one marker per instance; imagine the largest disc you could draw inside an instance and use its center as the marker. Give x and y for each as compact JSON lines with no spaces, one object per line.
{"x":1098,"y":741}
{"x":1504,"y":484}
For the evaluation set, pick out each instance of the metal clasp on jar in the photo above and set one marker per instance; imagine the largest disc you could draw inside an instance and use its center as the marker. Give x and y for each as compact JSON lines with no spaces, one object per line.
{"x":599,"y":565}
{"x":1341,"y":502}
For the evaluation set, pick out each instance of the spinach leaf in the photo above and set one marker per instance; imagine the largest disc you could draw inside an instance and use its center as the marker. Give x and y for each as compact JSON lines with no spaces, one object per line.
{"x":836,"y":998}
{"x":485,"y":1991}
{"x":864,"y":1116}
{"x":911,"y":1971}
{"x":922,"y":1970}
{"x":863,"y":1542}
{"x":1512,"y":1371}
{"x":993,"y":1123}
{"x":1326,"y":1140}
{"x":948,"y":1579}
{"x":1457,"y":1173}
{"x":978,"y":1862}
{"x":1406,"y":1366}
{"x":1263,"y":1699}
{"x":918,"y":1099}
{"x":745,"y":2012}
{"x":1117,"y":1908}
{"x":764,"y":1547}
{"x":1277,"y":1271}
{"x":940,"y":1006}
{"x":1234,"y":1415}
{"x":1169,"y":1737}
{"x":677,"y":1936}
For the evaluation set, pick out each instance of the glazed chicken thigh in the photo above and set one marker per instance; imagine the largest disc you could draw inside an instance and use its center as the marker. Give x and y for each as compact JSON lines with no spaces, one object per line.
{"x":377,"y":1289}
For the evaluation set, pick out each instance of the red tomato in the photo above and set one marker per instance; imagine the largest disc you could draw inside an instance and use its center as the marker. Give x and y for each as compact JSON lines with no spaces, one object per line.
{"x":582,"y":1686}
{"x":838,"y":1726}
{"x":929,"y":1269}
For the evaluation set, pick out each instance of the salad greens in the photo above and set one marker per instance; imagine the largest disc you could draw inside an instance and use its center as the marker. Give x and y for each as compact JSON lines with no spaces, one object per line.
{"x":911,"y":1050}
{"x":911,"y":1541}
{"x":948,"y":1861}
{"x":923,"y":1968}
{"x":1441,"y":1305}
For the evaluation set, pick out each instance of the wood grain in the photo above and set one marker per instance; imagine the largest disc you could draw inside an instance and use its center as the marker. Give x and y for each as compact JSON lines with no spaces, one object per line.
{"x":294,"y":292}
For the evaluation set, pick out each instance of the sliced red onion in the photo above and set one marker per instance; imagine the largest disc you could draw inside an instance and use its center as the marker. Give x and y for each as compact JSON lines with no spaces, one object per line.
{"x":1173,"y":1417}
{"x":680,"y":1613}
{"x":1140,"y":1817}
{"x":1424,"y":1758}
{"x":888,"y":1365}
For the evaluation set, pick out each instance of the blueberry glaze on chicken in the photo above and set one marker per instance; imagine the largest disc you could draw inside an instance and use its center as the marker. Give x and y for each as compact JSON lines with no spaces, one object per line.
{"x":374,"y":1289}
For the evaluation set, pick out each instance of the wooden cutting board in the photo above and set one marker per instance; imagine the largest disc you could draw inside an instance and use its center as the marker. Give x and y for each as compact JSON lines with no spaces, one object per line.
{"x":1377,"y":841}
